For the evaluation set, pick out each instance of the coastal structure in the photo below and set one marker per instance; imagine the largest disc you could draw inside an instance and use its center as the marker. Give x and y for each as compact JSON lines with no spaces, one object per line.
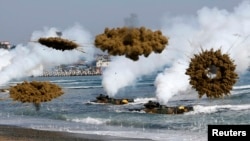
{"x":5,"y":45}
{"x":102,"y":62}
{"x":71,"y":72}
{"x":81,"y":68}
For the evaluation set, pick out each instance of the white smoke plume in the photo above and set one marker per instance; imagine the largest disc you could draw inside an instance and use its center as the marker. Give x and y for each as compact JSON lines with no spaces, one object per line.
{"x":210,"y":28}
{"x":124,"y":72}
{"x":30,"y":59}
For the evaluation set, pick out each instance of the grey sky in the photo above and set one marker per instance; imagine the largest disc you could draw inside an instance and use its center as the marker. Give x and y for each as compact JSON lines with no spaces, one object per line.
{"x":19,"y":18}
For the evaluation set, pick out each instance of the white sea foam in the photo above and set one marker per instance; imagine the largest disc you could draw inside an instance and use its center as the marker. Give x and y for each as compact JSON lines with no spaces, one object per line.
{"x":240,"y":92}
{"x":90,"y":120}
{"x":94,"y":103}
{"x":143,"y":100}
{"x":241,"y":87}
{"x":215,"y":108}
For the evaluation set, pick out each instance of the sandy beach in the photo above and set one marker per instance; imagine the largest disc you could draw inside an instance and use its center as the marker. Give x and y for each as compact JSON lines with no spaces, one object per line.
{"x":15,"y":133}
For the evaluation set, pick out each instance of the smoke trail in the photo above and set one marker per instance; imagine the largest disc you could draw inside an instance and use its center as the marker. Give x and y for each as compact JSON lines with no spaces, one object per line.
{"x":212,"y":28}
{"x":131,"y":21}
{"x":30,"y":59}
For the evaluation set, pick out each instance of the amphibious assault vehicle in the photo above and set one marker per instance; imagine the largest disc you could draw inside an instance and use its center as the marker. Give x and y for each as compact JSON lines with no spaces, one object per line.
{"x":156,"y":108}
{"x":150,"y":107}
{"x":106,"y":99}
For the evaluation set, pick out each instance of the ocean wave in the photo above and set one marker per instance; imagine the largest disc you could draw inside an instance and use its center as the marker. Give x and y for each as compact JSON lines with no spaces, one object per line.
{"x":143,"y":100}
{"x":90,"y":120}
{"x":217,"y":108}
{"x":239,"y":92}
{"x":127,"y":111}
{"x":82,"y":87}
{"x":241,"y":87}
{"x":145,"y":84}
{"x":63,"y":81}
{"x":94,"y":103}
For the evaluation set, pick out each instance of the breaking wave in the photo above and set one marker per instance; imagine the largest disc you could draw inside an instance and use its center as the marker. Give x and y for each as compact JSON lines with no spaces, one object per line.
{"x":90,"y":120}
{"x":218,"y":108}
{"x":241,"y":87}
{"x":143,"y":100}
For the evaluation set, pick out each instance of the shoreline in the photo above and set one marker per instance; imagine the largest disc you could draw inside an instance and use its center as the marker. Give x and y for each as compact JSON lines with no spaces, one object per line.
{"x":17,"y":133}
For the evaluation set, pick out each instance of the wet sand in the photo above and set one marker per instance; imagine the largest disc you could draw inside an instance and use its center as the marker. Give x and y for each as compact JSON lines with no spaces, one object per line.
{"x":15,"y":133}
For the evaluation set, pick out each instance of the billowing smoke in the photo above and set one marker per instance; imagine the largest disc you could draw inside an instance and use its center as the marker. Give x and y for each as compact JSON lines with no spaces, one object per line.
{"x":131,"y":42}
{"x":30,"y":59}
{"x":5,"y":58}
{"x":210,"y":28}
{"x":58,"y":43}
{"x":166,"y":89}
{"x":124,"y":72}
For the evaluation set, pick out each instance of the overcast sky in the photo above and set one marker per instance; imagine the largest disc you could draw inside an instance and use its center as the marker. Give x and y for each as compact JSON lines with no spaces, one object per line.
{"x":19,"y":18}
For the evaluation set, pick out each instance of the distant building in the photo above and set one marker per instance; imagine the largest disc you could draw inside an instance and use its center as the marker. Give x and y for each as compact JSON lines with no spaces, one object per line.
{"x":5,"y":45}
{"x":80,"y":68}
{"x":102,"y":61}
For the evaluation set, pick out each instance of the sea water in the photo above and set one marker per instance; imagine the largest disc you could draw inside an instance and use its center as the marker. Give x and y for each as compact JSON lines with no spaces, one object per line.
{"x":74,"y":111}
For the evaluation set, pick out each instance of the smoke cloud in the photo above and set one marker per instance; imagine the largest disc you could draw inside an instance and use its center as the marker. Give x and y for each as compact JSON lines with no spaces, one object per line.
{"x":30,"y":59}
{"x":210,"y":28}
{"x":131,"y":42}
{"x":124,"y":72}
